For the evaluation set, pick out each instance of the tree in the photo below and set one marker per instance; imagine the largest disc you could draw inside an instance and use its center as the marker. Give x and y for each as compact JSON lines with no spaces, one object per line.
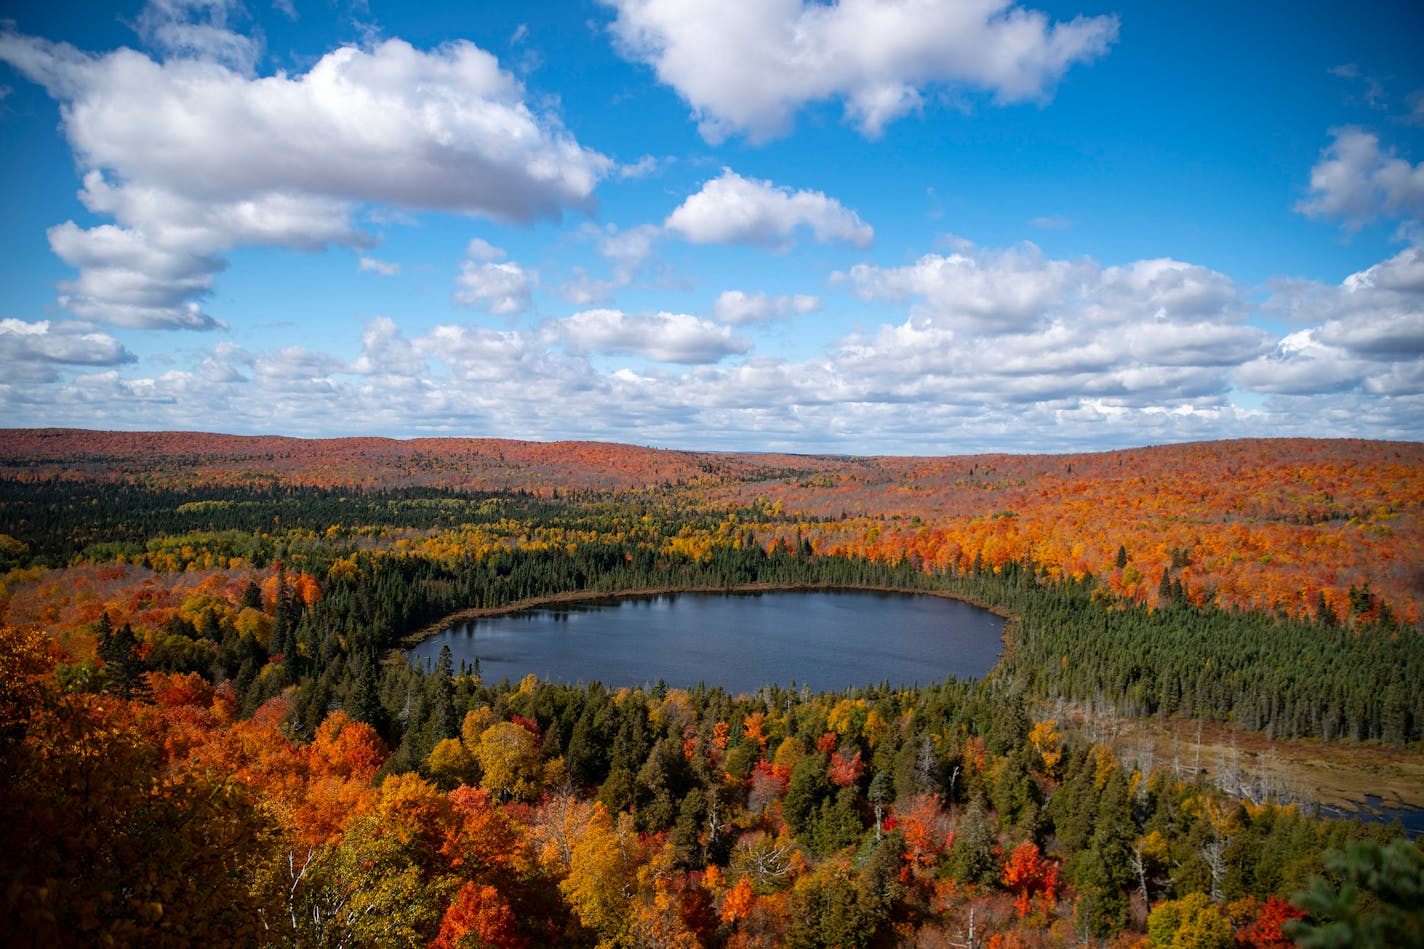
{"x":1104,"y":870}
{"x":600,"y":882}
{"x":509,"y":758}
{"x":974,"y":855}
{"x":1028,"y":872}
{"x":478,"y":916}
{"x":1192,"y":922}
{"x":450,"y":764}
{"x":1377,"y":901}
{"x":110,"y":845}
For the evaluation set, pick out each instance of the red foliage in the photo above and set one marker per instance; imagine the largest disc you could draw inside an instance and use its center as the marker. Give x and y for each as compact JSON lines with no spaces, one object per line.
{"x":1265,"y":932}
{"x":845,"y":771}
{"x":1027,"y":872}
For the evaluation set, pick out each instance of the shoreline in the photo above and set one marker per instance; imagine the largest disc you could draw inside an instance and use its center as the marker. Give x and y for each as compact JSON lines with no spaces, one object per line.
{"x":411,"y":640}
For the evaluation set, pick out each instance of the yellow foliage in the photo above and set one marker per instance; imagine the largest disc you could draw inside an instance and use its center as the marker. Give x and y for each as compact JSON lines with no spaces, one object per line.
{"x":599,"y":886}
{"x":254,"y":623}
{"x":451,"y":764}
{"x":1048,"y":743}
{"x":476,"y":721}
{"x":847,"y":718}
{"x":509,"y":758}
{"x":1104,"y":764}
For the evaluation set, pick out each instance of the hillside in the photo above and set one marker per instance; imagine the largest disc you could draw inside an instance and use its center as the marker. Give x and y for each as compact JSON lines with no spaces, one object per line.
{"x":1272,"y":525}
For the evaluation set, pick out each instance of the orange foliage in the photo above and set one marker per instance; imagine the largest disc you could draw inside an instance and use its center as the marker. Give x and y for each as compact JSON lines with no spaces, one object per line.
{"x":925,"y":826}
{"x":479,"y":916}
{"x":1028,"y":872}
{"x":752,"y":729}
{"x":1268,"y":524}
{"x":1265,"y":931}
{"x":738,"y":900}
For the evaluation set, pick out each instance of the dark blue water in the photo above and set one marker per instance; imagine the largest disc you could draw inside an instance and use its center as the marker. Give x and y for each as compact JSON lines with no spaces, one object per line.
{"x":825,"y":640}
{"x":1374,"y":810}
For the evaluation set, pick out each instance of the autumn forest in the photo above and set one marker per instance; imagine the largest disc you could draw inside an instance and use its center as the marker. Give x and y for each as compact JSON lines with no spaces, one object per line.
{"x":209,"y":734}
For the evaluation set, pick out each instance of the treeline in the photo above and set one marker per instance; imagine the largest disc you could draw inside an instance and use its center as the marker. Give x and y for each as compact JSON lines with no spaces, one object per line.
{"x":61,"y":521}
{"x":1286,"y":677}
{"x":1280,"y":675}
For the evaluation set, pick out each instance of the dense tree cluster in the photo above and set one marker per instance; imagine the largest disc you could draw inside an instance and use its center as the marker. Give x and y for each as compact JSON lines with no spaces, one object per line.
{"x":207,"y":727}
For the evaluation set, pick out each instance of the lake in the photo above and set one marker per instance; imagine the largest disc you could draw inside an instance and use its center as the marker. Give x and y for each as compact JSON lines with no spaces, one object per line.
{"x":827,"y":640}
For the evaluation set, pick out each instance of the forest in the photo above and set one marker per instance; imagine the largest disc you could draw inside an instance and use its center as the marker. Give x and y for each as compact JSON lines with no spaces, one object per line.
{"x":210,"y":735}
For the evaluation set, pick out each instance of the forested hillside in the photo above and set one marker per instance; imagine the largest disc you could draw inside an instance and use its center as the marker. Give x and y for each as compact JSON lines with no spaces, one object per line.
{"x":208,"y":736}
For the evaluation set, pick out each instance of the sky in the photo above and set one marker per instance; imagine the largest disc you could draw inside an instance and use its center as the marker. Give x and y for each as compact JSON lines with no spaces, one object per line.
{"x":899,"y":227}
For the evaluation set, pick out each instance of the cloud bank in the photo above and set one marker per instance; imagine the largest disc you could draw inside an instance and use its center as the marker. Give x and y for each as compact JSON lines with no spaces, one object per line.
{"x":990,"y":344}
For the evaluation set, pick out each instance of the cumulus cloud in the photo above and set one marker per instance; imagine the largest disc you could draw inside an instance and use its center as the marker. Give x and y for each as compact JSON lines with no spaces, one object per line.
{"x":747,"y":66}
{"x":193,"y":156}
{"x":1087,"y":356}
{"x":662,"y":337}
{"x":386,"y":352}
{"x":500,"y":287}
{"x":738,"y":308}
{"x":1368,"y":334}
{"x":31,"y":351}
{"x":731,"y":209}
{"x":1358,"y":181}
{"x":974,"y":290}
{"x":1018,"y":327}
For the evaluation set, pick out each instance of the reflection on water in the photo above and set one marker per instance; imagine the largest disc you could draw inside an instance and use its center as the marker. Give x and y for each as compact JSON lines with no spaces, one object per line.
{"x":824,"y":640}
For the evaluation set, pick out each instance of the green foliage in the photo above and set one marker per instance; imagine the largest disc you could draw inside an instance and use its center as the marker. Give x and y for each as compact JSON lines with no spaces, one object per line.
{"x":974,"y":856}
{"x":1376,"y":898}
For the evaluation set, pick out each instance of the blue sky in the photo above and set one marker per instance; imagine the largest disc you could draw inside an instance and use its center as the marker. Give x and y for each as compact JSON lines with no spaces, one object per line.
{"x":921,"y":227}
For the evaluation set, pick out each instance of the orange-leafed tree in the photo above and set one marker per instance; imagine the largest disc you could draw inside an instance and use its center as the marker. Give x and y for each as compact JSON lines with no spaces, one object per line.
{"x":114,"y":845}
{"x":478,"y":916}
{"x":1027,"y":873}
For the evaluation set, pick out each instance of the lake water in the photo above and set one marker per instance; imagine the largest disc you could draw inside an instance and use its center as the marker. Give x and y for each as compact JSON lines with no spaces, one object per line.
{"x":824,"y":640}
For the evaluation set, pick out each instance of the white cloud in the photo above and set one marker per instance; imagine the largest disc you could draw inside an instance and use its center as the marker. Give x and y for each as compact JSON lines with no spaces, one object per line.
{"x":382,"y":267}
{"x":731,"y":209}
{"x":976,"y":291}
{"x":128,"y":280}
{"x":198,"y":29}
{"x":501,"y":288}
{"x":1087,"y":356}
{"x":193,"y":156}
{"x":1016,"y":327}
{"x":645,"y":167}
{"x":663,"y":337}
{"x":630,"y":251}
{"x":738,"y":308}
{"x":1358,"y":182}
{"x":483,"y":251}
{"x":486,"y":280}
{"x":748,"y":65}
{"x":386,"y":352}
{"x":1302,"y":365}
{"x":1368,"y":334}
{"x":30,"y":351}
